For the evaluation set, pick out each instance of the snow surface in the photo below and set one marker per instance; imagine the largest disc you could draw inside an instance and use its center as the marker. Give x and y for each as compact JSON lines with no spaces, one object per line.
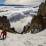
{"x":38,"y":39}
{"x":18,"y":17}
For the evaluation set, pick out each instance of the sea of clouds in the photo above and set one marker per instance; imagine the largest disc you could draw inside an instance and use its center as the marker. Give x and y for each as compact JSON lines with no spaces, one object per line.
{"x":19,"y":16}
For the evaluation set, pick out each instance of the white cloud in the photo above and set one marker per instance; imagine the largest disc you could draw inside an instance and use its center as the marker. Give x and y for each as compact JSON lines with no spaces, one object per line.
{"x":25,"y":2}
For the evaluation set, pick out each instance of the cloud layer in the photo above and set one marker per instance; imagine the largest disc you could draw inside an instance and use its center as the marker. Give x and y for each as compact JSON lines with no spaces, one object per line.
{"x":24,"y":2}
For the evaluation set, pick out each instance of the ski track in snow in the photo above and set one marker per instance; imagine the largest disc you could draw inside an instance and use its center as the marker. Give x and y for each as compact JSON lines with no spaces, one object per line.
{"x":38,"y":39}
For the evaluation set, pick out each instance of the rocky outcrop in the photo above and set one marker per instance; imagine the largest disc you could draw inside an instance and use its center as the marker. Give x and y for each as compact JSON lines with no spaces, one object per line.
{"x":42,"y":11}
{"x":26,"y":28}
{"x":45,"y":2}
{"x":12,"y":30}
{"x":4,"y":22}
{"x":39,"y":22}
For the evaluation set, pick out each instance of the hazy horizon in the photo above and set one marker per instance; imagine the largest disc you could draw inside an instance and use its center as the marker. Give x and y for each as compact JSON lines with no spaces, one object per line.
{"x":24,"y":2}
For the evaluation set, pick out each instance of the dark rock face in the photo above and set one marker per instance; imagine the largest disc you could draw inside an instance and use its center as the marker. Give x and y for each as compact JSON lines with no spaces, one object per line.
{"x":26,"y":28}
{"x":42,"y":11}
{"x":39,"y":22}
{"x":45,"y":2}
{"x":4,"y":22}
{"x":12,"y":30}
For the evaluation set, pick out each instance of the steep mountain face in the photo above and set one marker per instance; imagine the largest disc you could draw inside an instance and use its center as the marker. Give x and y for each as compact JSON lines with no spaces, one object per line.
{"x":39,"y":22}
{"x":4,"y":22}
{"x":42,"y":11}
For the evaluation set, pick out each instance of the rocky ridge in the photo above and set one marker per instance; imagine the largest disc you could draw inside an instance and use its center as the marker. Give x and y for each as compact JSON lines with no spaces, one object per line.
{"x":39,"y":21}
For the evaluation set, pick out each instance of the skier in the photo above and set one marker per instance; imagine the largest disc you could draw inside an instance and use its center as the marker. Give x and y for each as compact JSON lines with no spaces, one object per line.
{"x":4,"y":33}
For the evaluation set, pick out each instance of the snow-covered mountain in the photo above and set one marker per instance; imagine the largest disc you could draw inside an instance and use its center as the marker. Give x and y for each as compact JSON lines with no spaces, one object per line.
{"x":18,"y":16}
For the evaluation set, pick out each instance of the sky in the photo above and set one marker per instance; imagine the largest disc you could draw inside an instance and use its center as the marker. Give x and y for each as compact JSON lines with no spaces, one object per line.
{"x":23,"y":2}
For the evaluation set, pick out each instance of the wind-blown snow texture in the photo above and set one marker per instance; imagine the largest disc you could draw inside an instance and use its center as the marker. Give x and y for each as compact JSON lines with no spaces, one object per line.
{"x":28,"y":39}
{"x":19,"y":16}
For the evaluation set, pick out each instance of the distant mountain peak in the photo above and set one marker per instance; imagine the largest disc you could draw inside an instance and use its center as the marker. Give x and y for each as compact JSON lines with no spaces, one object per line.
{"x":11,"y":5}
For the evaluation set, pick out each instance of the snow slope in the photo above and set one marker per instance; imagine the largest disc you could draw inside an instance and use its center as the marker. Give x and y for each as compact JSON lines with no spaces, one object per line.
{"x":38,"y":39}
